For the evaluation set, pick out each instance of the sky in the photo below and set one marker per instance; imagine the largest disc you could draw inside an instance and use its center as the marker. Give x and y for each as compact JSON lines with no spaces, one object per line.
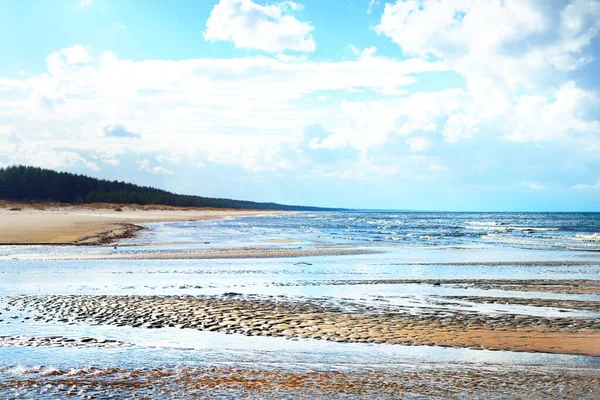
{"x":458,"y":105}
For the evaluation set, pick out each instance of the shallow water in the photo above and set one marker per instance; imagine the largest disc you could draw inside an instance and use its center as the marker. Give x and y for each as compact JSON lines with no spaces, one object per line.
{"x":433,"y":246}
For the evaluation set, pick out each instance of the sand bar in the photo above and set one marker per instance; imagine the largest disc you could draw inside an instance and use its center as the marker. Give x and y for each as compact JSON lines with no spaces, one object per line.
{"x":317,"y":320}
{"x":92,"y":224}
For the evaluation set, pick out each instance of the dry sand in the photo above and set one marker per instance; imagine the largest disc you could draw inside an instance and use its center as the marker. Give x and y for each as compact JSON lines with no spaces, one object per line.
{"x":92,"y":224}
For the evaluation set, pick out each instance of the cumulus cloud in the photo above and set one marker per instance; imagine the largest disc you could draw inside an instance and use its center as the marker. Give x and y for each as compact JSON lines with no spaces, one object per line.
{"x":516,"y":89}
{"x":510,"y":65}
{"x":69,"y":56}
{"x":248,"y":25}
{"x":523,"y":33}
{"x":227,"y":111}
{"x":538,"y":119}
{"x":460,"y":126}
{"x":119,"y":131}
{"x":145,"y":166}
{"x":43,"y":156}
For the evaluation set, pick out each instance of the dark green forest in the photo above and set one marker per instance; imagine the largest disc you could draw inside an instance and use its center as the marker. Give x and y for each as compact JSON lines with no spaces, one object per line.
{"x":22,"y":183}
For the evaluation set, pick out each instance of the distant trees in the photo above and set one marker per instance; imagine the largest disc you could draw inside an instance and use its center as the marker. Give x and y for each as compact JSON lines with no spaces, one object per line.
{"x":38,"y":184}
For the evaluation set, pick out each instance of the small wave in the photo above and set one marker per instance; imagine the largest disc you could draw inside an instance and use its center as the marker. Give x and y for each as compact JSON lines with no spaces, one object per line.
{"x":594,"y":237}
{"x":394,"y":238}
{"x":22,"y":370}
{"x":506,"y":228}
{"x":484,"y":223}
{"x":530,"y":228}
{"x":496,"y":228}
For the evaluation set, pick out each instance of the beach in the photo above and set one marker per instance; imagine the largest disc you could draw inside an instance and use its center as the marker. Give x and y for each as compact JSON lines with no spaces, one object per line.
{"x":22,"y":223}
{"x":255,"y":304}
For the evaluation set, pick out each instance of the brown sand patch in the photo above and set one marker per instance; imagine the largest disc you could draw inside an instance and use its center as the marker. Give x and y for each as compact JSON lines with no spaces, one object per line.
{"x":316,"y":320}
{"x":415,"y":381}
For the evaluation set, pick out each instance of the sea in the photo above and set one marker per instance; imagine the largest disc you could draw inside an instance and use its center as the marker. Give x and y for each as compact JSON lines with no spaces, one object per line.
{"x":397,"y":246}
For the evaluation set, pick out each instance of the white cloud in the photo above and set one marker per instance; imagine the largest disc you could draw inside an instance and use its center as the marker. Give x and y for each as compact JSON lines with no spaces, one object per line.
{"x":368,"y":125}
{"x":107,"y":159}
{"x":9,"y":135}
{"x":460,"y":126}
{"x":586,"y":186}
{"x":509,"y":52}
{"x":70,"y":56}
{"x":86,"y":3}
{"x":231,"y":111}
{"x":47,"y":157}
{"x":249,"y":25}
{"x":418,"y":144}
{"x":537,"y":119}
{"x":371,"y":4}
{"x":252,"y":111}
{"x":533,"y":185}
{"x":461,"y":31}
{"x":145,"y":166}
{"x":161,"y":158}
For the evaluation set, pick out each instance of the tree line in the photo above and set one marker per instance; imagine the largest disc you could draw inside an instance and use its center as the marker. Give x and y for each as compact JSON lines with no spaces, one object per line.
{"x":24,"y":183}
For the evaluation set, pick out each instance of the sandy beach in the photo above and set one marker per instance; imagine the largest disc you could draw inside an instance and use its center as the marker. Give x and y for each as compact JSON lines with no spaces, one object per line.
{"x":92,"y":224}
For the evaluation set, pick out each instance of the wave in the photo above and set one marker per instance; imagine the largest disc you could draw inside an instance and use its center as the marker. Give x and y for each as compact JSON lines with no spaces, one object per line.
{"x":506,"y":228}
{"x":485,"y":223}
{"x":588,"y":243}
{"x":594,"y":237}
{"x":530,"y":228}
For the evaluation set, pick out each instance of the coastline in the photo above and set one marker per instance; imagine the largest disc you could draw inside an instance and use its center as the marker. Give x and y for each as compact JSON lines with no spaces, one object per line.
{"x":94,"y":224}
{"x":459,"y":305}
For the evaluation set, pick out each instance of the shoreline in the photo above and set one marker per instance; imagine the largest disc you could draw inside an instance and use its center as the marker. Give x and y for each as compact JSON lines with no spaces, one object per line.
{"x":94,"y":224}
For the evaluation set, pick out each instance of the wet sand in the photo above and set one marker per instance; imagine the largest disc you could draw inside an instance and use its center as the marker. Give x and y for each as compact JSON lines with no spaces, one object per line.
{"x":96,"y":224}
{"x":210,"y":254}
{"x":553,"y":303}
{"x":314,"y":319}
{"x":562,"y":286}
{"x":400,"y":382}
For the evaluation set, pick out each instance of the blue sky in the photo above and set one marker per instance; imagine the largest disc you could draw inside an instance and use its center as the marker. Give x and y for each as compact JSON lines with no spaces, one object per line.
{"x":416,"y":104}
